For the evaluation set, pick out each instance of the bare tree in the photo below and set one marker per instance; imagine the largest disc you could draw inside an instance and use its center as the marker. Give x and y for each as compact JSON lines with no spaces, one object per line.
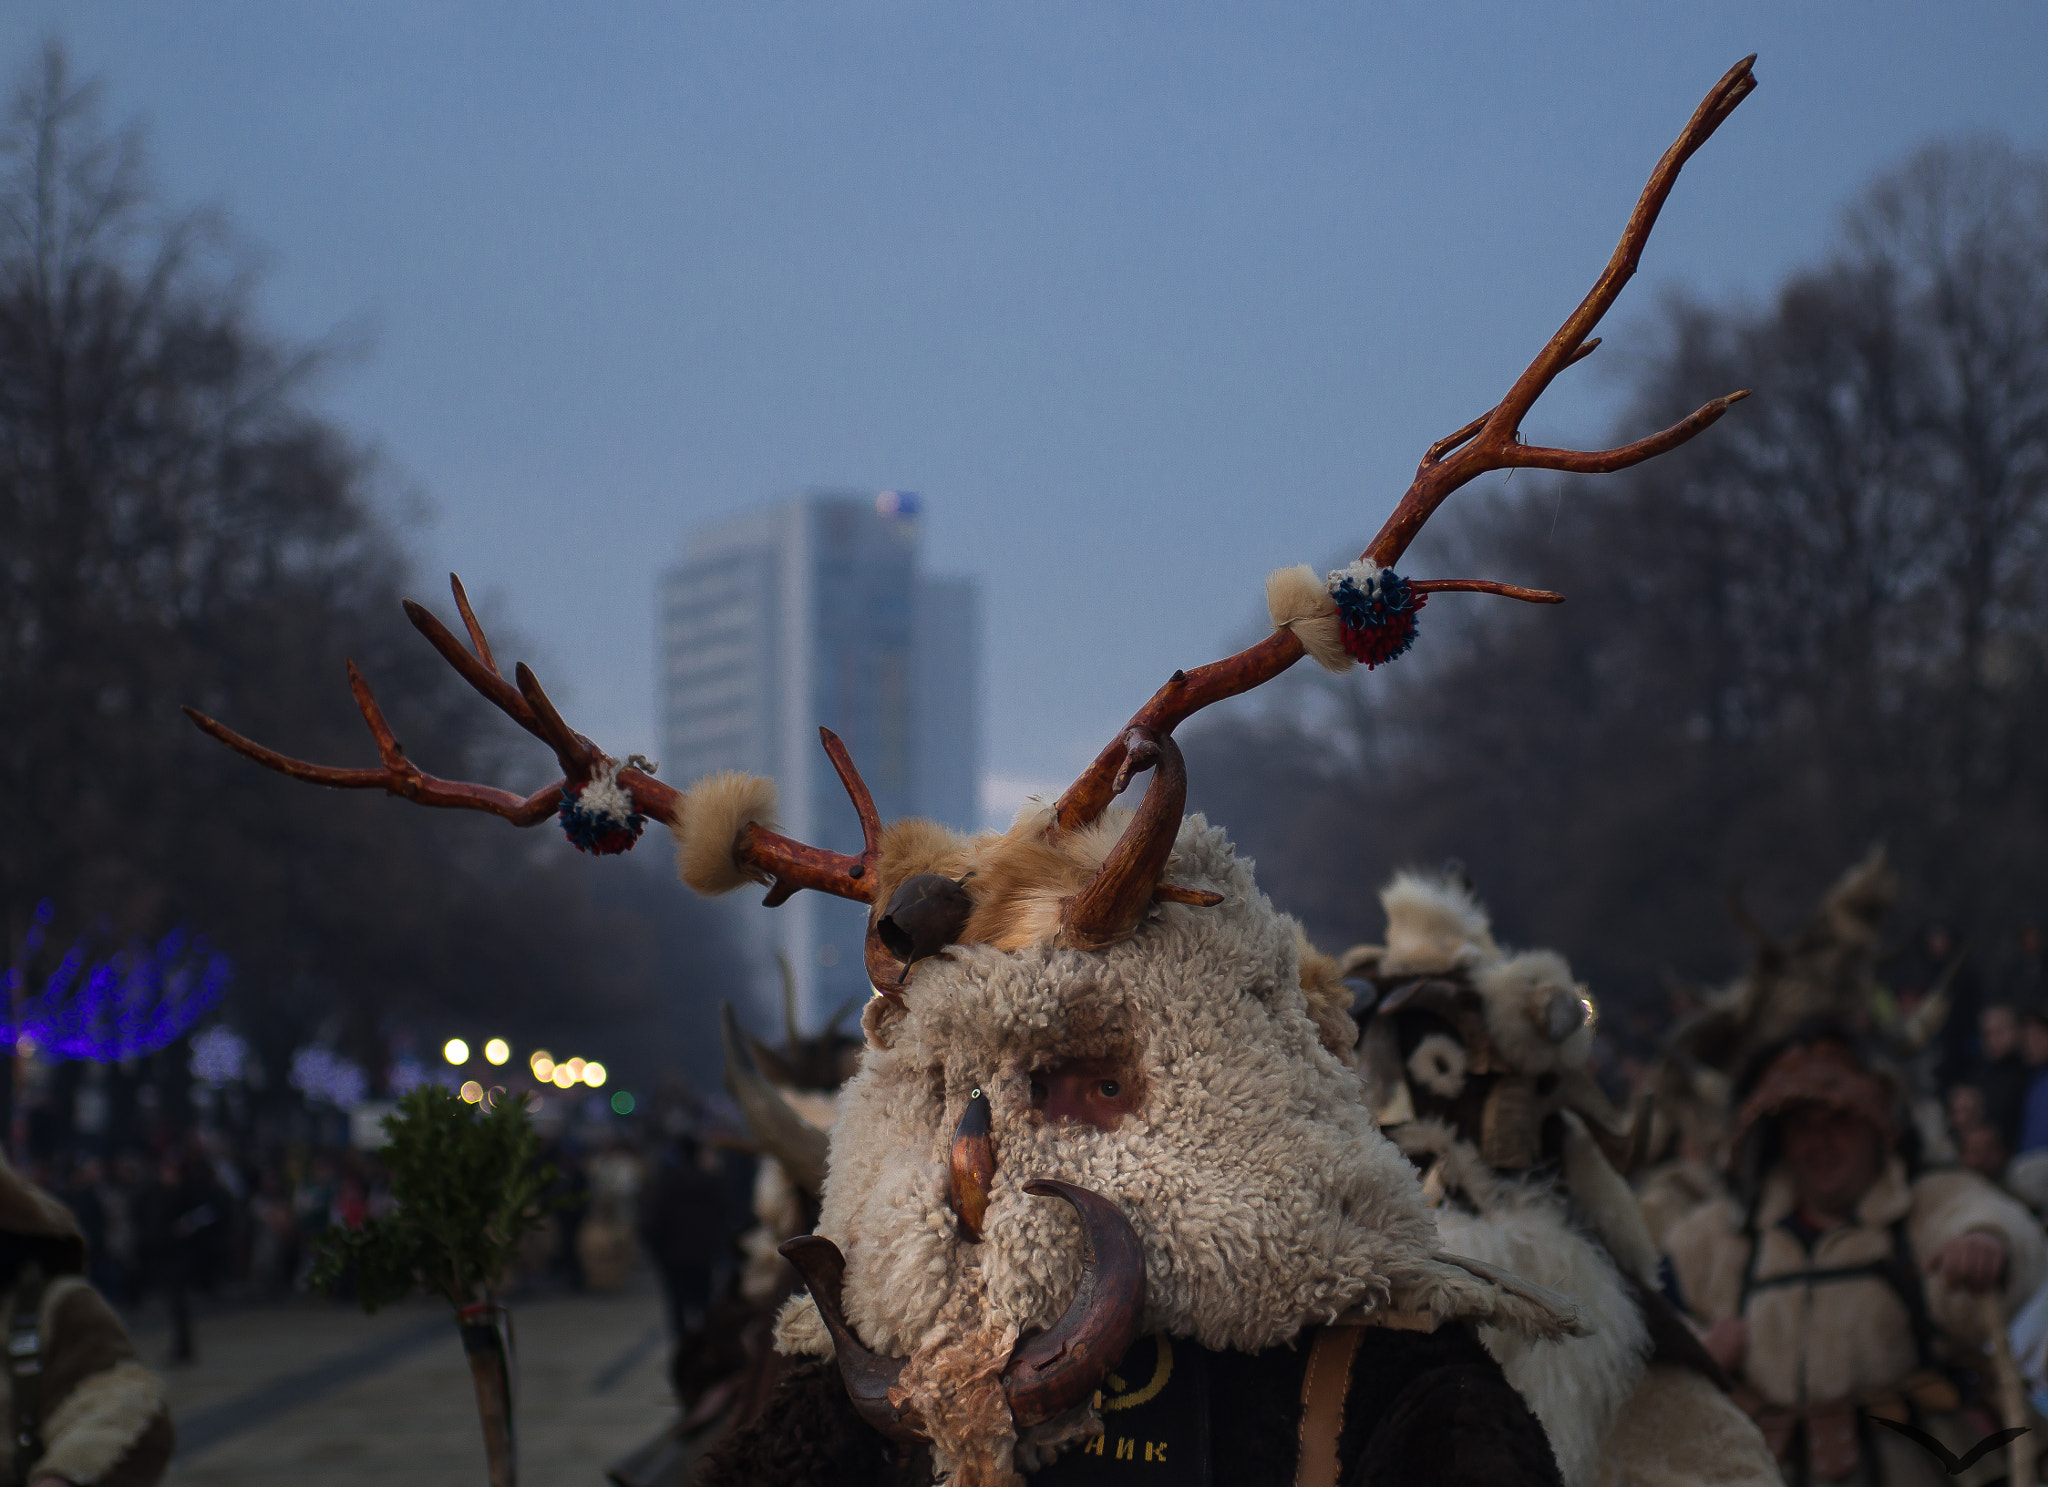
{"x":177,"y":525}
{"x":1823,"y":627}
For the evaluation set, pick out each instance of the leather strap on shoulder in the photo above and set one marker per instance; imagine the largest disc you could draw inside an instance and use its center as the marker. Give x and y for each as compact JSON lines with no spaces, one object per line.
{"x":1323,"y":1391}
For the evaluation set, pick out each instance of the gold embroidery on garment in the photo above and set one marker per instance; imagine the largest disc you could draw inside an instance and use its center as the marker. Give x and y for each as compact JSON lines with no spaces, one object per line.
{"x":1162,"y":1371}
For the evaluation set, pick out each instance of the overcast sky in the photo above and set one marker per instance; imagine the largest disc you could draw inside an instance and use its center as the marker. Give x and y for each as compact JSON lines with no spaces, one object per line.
{"x":1144,"y":299}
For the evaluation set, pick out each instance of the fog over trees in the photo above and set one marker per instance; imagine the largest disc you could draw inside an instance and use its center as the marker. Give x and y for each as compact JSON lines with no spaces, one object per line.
{"x":1822,"y":624}
{"x":179,"y":524}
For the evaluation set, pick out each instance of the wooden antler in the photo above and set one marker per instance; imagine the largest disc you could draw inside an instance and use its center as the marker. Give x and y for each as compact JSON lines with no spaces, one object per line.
{"x":526,"y":704}
{"x":1492,"y":441}
{"x":781,"y":862}
{"x":1489,"y":442}
{"x":786,"y":864}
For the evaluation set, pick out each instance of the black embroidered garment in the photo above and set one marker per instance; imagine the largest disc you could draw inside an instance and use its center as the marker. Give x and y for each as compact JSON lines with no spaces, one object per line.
{"x":1424,"y":1410}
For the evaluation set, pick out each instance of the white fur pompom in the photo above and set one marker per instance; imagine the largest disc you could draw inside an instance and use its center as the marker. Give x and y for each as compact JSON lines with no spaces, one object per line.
{"x":604,"y":796}
{"x":708,"y":821}
{"x":1433,"y":926}
{"x":1299,"y":601}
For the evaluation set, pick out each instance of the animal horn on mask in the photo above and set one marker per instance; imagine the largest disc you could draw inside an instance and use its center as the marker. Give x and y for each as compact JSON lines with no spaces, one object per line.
{"x":798,"y":1145}
{"x":1122,"y":890}
{"x":1050,"y":1373}
{"x":869,"y":1375}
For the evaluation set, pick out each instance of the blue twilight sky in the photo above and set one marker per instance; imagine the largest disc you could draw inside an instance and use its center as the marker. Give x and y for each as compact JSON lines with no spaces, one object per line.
{"x":1146,"y":299}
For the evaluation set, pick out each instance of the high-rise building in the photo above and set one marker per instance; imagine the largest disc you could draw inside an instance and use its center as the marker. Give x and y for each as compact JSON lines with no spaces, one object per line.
{"x":815,"y":611}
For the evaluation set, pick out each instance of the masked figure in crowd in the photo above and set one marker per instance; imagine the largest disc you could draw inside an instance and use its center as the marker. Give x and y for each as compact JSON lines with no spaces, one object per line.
{"x":1476,"y":1061}
{"x":1842,"y":1284}
{"x":81,"y":1409}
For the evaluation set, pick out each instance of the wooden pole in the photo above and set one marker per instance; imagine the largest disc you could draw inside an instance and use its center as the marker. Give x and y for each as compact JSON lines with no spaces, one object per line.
{"x":2012,"y":1391}
{"x":490,"y":1369}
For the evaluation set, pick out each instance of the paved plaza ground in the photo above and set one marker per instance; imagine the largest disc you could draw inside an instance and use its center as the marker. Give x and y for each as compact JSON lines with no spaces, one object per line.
{"x":311,"y":1393}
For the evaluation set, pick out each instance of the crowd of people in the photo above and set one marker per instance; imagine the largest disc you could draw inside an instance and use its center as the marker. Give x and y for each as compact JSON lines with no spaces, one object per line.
{"x":204,"y":1215}
{"x":1997,"y":1107}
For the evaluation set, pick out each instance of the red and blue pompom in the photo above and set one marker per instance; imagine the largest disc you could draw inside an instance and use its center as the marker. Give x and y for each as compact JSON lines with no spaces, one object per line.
{"x":1376,"y":610}
{"x":598,"y":816}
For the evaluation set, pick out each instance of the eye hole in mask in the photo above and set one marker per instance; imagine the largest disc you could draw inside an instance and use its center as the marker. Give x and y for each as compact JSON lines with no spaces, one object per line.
{"x":1096,"y":1092}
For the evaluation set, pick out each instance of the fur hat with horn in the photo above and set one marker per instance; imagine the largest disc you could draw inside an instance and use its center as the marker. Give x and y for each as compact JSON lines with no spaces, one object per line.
{"x":1491,"y":1043}
{"x":1825,"y":971}
{"x":1476,"y":1058}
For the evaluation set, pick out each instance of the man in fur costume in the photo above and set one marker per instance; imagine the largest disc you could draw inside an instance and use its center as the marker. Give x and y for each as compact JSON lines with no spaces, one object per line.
{"x":1475,"y":1058}
{"x":1104,"y":1197}
{"x":83,"y":1410}
{"x":1843,"y":1284}
{"x":1826,"y":968}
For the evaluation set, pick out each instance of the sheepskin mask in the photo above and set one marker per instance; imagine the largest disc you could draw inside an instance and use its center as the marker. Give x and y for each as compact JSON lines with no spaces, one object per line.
{"x":1246,"y":1165}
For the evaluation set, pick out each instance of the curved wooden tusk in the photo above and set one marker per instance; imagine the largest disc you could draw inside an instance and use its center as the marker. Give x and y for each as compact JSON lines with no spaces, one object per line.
{"x":1058,"y":1369}
{"x":1121,"y":892}
{"x":971,"y":1167}
{"x":869,"y":1376}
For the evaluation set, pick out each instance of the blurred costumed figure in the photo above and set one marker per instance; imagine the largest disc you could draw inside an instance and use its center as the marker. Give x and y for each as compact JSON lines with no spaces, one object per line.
{"x":1841,"y":1283}
{"x":1476,"y":1061}
{"x":83,"y":1410}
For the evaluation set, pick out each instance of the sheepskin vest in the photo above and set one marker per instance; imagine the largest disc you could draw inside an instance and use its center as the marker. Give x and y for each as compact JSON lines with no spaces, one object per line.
{"x":101,"y":1413}
{"x":1852,"y":1337}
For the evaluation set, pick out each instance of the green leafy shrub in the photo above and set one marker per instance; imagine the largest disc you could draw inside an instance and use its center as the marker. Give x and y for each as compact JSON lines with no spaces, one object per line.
{"x":470,"y":1186}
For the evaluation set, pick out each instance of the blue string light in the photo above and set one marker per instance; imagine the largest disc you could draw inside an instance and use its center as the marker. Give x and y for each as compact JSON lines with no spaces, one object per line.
{"x":134,"y":1002}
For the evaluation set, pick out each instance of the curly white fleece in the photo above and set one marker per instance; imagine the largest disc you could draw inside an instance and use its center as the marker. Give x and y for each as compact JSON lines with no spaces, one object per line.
{"x":1577,"y":1386}
{"x":1265,"y":1197}
{"x":99,"y":1422}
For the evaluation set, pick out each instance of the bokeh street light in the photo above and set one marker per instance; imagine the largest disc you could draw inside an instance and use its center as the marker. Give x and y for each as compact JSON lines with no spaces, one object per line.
{"x":497,"y":1050}
{"x":456,"y":1052}
{"x":543,"y":1065}
{"x":472,"y":1091}
{"x":561,"y":1078}
{"x":593,"y":1075}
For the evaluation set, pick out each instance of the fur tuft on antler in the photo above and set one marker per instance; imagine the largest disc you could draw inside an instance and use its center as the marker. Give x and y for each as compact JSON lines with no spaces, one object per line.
{"x":712,"y":815}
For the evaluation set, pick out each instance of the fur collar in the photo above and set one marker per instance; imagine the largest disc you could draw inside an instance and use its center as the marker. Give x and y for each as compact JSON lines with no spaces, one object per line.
{"x":1890,"y":1198}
